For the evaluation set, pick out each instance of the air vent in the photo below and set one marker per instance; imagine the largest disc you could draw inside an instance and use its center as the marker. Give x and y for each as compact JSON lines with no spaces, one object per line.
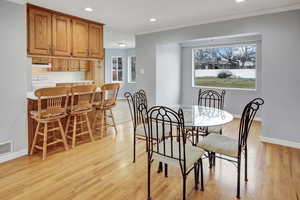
{"x":5,"y":147}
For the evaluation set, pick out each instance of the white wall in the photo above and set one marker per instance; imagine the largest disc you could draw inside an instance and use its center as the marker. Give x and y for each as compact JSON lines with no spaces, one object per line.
{"x":13,"y":72}
{"x":124,"y":53}
{"x":168,"y":64}
{"x":280,"y":66}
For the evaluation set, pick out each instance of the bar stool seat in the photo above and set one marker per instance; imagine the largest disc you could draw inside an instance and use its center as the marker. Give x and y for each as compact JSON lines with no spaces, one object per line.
{"x":49,"y":117}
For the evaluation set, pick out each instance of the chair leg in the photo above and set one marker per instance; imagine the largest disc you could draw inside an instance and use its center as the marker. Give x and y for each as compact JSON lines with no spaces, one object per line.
{"x":63,"y":136}
{"x":184,"y":187}
{"x":238,"y":177}
{"x":89,"y":127}
{"x":201,"y":169}
{"x":114,"y":122}
{"x":210,"y":159}
{"x":74,"y":132}
{"x":102,"y":123}
{"x":196,"y":168}
{"x":94,"y":125}
{"x":134,"y":143}
{"x":166,"y":170}
{"x":67,"y":125}
{"x":149,"y":180}
{"x":45,"y":141}
{"x":35,"y":138}
{"x":105,"y":121}
{"x":160,"y":168}
{"x":246,"y":164}
{"x":214,"y":159}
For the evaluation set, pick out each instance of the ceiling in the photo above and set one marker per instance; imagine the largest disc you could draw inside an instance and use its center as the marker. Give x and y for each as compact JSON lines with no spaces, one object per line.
{"x":131,"y":17}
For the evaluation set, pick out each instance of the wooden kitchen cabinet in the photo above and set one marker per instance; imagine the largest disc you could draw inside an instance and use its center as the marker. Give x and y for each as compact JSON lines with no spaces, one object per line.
{"x":74,"y":66}
{"x":80,"y":34}
{"x":39,"y":29}
{"x":95,"y":41}
{"x":40,"y":60}
{"x":60,"y":65}
{"x":54,"y":34}
{"x":61,"y":36}
{"x":84,"y":65}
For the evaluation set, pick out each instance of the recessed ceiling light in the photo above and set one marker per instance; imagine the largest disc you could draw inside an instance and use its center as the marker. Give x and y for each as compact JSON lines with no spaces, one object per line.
{"x":121,"y":44}
{"x":88,"y":9}
{"x":152,"y":19}
{"x":240,"y":1}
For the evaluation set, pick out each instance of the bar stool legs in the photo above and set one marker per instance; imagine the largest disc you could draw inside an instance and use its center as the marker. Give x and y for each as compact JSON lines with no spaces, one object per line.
{"x":101,"y":120}
{"x":89,"y":127}
{"x":78,"y":124}
{"x":62,"y":132}
{"x":45,"y":141}
{"x":44,"y":134}
{"x":35,"y":138}
{"x":113,"y":121}
{"x":98,"y":123}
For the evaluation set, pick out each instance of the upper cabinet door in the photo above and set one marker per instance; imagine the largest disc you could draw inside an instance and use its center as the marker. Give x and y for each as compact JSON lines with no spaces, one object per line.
{"x":80,"y":38}
{"x":95,"y":41}
{"x":39,"y":32}
{"x":61,"y":36}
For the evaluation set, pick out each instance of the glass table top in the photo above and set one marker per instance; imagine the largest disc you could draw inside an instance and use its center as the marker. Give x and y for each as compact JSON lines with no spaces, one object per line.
{"x":200,"y":116}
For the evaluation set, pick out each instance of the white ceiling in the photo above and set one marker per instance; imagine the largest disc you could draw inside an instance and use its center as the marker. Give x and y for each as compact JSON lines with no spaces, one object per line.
{"x":132,"y":16}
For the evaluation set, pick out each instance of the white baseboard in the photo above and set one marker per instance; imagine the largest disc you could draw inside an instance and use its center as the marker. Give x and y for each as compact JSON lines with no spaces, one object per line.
{"x":280,"y":142}
{"x":13,"y":155}
{"x":239,"y":116}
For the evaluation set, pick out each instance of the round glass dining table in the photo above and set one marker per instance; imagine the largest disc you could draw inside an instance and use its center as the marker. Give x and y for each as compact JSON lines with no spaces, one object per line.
{"x":201,"y":116}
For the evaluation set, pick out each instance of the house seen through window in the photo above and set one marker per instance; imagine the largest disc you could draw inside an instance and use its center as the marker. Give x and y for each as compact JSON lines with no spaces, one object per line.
{"x":117,"y":69}
{"x":225,"y":67}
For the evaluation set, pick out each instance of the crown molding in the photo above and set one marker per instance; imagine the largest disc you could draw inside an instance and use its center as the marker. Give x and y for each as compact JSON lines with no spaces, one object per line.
{"x":18,"y":1}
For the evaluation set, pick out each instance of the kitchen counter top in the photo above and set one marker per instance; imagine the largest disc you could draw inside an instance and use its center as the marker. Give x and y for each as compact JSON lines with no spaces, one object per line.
{"x":49,"y":81}
{"x":30,"y":95}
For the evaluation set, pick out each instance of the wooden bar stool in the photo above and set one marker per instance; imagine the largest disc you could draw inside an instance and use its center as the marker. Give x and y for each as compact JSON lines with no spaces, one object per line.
{"x":110,"y":93}
{"x":81,"y":104}
{"x":52,"y":107}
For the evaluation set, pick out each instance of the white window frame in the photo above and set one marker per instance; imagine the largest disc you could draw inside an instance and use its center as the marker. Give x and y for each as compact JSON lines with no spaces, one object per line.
{"x":129,"y":69}
{"x":224,"y":46}
{"x":111,"y":64}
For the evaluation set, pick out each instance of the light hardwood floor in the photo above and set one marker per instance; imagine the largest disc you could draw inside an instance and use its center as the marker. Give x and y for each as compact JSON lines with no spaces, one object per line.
{"x":104,"y":170}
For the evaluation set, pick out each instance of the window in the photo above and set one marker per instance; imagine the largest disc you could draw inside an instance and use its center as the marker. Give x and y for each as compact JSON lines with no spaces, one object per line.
{"x":117,"y":69}
{"x":131,"y":69}
{"x":225,"y":67}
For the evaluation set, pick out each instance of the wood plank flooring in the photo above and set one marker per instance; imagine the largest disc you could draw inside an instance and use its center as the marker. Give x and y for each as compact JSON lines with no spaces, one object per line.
{"x":104,"y":170}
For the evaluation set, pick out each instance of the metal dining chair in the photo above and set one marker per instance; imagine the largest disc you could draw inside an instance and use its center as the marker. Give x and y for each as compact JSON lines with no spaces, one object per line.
{"x":213,"y":99}
{"x":134,"y":100}
{"x":232,"y":148}
{"x":173,"y":148}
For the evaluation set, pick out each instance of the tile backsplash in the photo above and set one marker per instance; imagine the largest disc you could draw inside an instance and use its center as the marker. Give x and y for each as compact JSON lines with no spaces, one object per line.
{"x":42,"y":78}
{"x":57,"y":76}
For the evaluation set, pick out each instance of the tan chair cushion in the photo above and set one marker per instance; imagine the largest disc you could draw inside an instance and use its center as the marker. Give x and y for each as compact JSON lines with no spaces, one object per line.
{"x":220,"y":144}
{"x":193,"y":154}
